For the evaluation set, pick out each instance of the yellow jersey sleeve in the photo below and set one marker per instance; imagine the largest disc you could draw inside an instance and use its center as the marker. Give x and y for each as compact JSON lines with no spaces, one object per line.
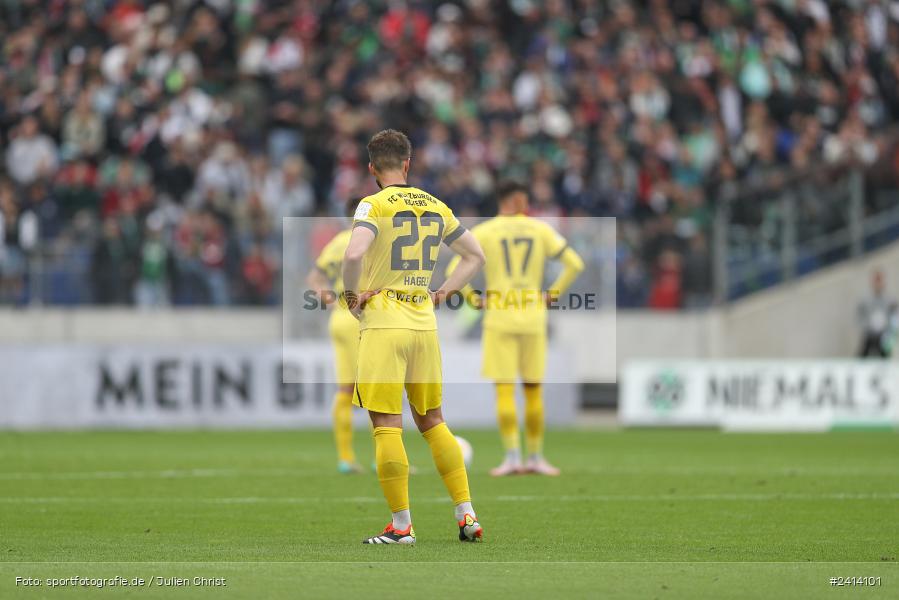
{"x":553,"y":241}
{"x":330,"y":260}
{"x":557,"y":248}
{"x":452,"y":228}
{"x":323,"y":261}
{"x":368,"y":213}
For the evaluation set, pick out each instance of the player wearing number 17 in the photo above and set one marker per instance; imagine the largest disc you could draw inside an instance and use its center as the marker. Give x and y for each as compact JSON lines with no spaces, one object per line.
{"x":514,"y":341}
{"x":387,"y":271}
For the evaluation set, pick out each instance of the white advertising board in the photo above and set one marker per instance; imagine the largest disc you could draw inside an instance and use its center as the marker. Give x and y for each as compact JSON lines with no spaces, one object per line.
{"x":56,"y":386}
{"x":760,"y":395}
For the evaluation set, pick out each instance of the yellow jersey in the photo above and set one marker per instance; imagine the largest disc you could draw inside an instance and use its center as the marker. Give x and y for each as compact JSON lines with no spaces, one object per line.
{"x":330,"y":260}
{"x":517,"y":248}
{"x":342,"y":325}
{"x":409,"y":224}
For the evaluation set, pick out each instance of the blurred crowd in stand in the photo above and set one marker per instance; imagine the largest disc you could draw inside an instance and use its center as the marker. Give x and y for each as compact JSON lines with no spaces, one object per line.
{"x":151,"y":149}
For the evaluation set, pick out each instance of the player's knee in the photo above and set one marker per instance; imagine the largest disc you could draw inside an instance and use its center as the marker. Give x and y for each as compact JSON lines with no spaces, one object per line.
{"x":428,"y":421}
{"x":385,"y":419}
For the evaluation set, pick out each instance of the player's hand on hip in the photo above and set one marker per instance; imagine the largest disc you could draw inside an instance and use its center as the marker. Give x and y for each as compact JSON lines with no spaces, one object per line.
{"x":364,"y":297}
{"x":356,"y":302}
{"x":351,"y":300}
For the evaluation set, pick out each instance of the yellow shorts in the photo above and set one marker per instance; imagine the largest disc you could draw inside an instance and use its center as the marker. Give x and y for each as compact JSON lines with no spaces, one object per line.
{"x":507,"y":357}
{"x":344,"y":330}
{"x":391,"y":360}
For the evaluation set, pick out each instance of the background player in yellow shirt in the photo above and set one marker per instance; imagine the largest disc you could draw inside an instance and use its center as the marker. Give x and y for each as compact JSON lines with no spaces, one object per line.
{"x":387,"y":272}
{"x":327,"y":281}
{"x":517,"y":248}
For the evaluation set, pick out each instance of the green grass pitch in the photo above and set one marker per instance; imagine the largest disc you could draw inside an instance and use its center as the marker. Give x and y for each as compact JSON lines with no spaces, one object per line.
{"x":636,"y":514}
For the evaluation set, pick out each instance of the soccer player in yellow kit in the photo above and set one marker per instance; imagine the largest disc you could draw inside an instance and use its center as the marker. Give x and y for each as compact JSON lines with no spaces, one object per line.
{"x":387,"y":272}
{"x":517,"y":248}
{"x":327,"y":281}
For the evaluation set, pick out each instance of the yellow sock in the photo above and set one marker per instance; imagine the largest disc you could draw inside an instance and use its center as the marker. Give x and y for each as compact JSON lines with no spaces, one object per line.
{"x":448,"y":459}
{"x":343,"y":426}
{"x":506,"y":417}
{"x":393,"y":467}
{"x":533,"y":418}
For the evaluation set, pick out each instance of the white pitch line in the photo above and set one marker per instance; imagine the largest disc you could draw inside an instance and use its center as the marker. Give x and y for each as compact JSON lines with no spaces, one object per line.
{"x":485,"y":563}
{"x":165,"y":474}
{"x":772,"y":497}
{"x":741,"y":470}
{"x":287,"y":472}
{"x":701,"y":497}
{"x":170,"y":473}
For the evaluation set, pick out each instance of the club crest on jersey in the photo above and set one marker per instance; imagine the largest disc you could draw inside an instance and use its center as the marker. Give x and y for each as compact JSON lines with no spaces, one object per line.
{"x":362,"y":210}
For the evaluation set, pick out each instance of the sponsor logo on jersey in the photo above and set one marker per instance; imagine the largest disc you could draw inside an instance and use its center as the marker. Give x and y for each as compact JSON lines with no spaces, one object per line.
{"x":362,"y":210}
